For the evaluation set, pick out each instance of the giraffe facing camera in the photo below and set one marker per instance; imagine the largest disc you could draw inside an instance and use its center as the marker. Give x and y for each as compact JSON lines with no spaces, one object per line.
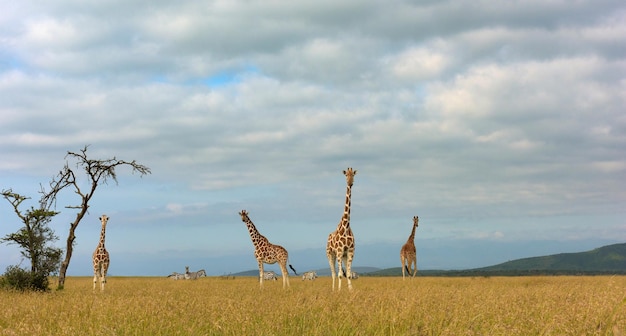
{"x":340,"y":245}
{"x":101,"y":257}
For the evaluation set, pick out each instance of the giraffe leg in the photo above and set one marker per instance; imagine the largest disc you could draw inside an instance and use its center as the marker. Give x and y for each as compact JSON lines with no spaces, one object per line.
{"x":104,"y":273}
{"x":261,"y":274}
{"x":402,"y":260}
{"x":349,"y":268}
{"x":340,"y":272}
{"x":283,"y":269}
{"x":331,"y":262}
{"x":105,"y":268}
{"x":95,"y":279}
{"x":414,"y":266}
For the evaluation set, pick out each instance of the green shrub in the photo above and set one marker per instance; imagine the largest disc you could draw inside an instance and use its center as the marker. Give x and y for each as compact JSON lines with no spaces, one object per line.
{"x":20,"y":279}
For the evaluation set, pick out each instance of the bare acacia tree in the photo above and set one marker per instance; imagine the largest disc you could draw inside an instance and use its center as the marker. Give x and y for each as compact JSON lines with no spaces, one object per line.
{"x":97,"y":172}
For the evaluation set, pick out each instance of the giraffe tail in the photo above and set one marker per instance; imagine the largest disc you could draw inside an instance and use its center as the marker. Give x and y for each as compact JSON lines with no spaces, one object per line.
{"x":407,"y":269}
{"x":293,"y":269}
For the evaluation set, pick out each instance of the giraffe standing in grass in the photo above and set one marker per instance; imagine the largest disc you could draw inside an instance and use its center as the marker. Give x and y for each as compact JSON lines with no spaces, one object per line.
{"x":266,"y":252}
{"x":408,"y":255}
{"x":340,"y":246}
{"x":101,"y":257}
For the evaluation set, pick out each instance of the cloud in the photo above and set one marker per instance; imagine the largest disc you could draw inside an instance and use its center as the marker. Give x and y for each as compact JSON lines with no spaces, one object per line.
{"x":419,"y":63}
{"x":459,"y":111}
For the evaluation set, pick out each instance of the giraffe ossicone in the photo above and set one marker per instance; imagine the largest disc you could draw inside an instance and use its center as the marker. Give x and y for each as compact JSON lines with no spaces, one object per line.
{"x":101,"y":259}
{"x":340,"y":245}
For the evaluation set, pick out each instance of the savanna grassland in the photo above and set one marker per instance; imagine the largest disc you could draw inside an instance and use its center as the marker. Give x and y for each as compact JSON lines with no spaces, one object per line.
{"x":563,"y":305}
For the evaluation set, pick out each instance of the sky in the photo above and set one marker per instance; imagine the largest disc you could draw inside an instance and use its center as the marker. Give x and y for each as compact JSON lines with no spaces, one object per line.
{"x":500,"y":124}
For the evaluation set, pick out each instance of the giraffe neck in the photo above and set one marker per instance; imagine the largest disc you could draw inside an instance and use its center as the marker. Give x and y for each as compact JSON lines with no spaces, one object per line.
{"x":412,"y":236}
{"x":254,"y":233}
{"x":345,"y":219}
{"x":102,"y":237}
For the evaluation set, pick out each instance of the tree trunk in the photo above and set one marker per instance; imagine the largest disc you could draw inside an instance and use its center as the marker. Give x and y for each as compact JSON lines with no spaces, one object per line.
{"x":68,"y":255}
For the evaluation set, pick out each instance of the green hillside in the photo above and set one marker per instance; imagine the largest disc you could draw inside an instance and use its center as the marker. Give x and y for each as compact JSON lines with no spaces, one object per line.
{"x":610,"y":259}
{"x":606,"y":259}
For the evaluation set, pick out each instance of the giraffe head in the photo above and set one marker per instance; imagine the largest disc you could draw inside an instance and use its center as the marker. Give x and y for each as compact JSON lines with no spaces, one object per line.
{"x":416,"y":221}
{"x":104,"y":219}
{"x":349,"y":176}
{"x":244,"y":215}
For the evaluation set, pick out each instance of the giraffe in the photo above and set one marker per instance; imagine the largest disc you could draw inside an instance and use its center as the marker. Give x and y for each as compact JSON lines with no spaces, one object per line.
{"x":340,"y":244}
{"x":408,"y":256}
{"x":101,"y":257}
{"x":266,"y":252}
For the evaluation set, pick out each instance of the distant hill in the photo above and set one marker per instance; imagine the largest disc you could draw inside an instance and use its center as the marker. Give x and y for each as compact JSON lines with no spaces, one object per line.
{"x":610,"y":259}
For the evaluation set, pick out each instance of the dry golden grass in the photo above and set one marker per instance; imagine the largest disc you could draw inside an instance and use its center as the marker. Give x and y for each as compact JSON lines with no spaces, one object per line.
{"x":377,"y":306}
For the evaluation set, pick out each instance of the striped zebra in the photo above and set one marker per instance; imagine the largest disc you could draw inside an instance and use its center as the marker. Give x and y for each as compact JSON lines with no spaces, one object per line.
{"x":176,"y":276}
{"x":193,"y":275}
{"x":270,"y":275}
{"x":354,"y":275}
{"x":310,"y":275}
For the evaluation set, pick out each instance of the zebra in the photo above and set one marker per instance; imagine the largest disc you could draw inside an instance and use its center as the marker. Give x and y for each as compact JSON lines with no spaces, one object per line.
{"x":269,"y":275}
{"x":310,"y":275}
{"x":196,"y":275}
{"x":193,"y":275}
{"x":354,"y":275}
{"x":176,"y":276}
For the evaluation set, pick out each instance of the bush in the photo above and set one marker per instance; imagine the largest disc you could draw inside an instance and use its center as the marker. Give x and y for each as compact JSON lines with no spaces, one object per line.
{"x":22,"y":280}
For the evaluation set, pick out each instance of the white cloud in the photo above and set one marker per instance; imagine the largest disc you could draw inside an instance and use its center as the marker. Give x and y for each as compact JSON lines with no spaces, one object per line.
{"x":173,"y":207}
{"x":610,"y":166}
{"x":419,"y":64}
{"x":445,"y":108}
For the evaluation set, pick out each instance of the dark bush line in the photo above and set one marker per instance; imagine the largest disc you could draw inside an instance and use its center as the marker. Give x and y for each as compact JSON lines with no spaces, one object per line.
{"x":16,"y":278}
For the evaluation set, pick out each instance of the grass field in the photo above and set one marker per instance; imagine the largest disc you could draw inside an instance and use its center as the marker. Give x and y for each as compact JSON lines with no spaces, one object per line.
{"x":377,"y":306}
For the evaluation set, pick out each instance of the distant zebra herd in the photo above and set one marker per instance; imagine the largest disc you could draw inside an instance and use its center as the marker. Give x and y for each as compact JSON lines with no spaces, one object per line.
{"x":187,"y":275}
{"x":312,"y":275}
{"x":268,"y":275}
